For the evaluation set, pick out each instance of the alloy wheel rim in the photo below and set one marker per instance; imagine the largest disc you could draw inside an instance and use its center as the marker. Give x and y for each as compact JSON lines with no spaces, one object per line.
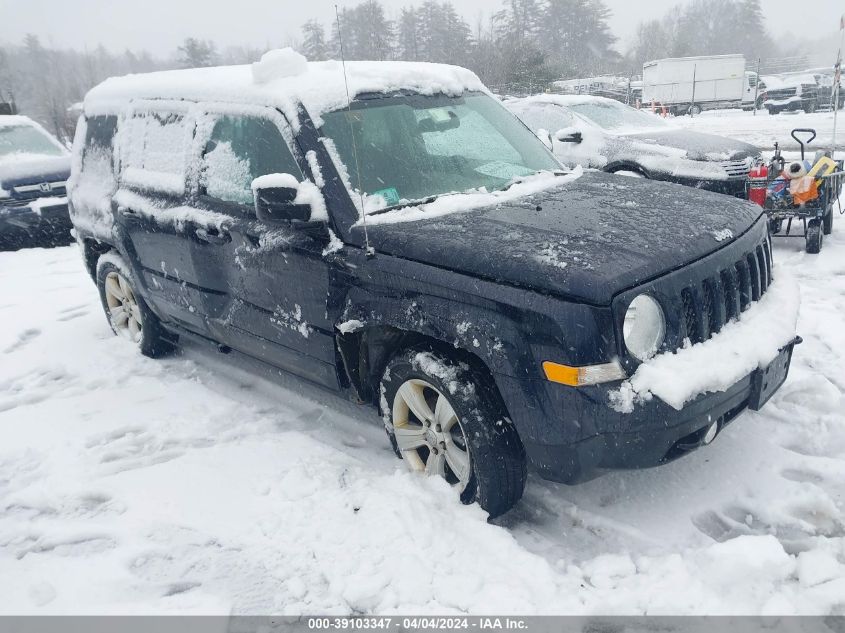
{"x":124,"y":311}
{"x":429,"y":434}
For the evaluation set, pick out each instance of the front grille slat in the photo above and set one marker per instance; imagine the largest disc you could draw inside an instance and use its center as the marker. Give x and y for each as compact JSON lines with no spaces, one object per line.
{"x":755,"y":276}
{"x":713,"y":287}
{"x":730,"y":285}
{"x":690,"y":318}
{"x":702,"y":312}
{"x":764,"y":272}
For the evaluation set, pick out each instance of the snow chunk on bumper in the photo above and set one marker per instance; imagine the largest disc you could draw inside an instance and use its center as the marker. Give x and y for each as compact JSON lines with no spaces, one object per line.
{"x":742,"y":346}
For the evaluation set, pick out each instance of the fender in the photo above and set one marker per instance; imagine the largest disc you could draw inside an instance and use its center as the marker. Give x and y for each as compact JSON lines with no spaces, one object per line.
{"x":401,"y":298}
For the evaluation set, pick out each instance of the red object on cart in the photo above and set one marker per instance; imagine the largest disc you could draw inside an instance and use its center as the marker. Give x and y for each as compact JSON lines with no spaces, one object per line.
{"x":758,"y":183}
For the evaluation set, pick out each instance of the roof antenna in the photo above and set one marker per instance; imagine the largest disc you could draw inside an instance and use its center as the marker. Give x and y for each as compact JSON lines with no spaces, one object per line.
{"x":368,"y":250}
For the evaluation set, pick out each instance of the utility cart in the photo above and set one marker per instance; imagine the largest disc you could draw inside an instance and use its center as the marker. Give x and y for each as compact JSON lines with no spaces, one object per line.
{"x":812,"y":210}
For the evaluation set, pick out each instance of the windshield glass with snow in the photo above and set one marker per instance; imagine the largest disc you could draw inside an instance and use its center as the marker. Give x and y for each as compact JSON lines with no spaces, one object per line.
{"x":612,"y":115}
{"x":414,"y":147}
{"x":25,"y":139}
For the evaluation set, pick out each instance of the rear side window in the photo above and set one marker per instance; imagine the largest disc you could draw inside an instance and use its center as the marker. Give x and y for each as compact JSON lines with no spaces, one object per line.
{"x":99,"y":141}
{"x":152,"y":150}
{"x":241,"y":149}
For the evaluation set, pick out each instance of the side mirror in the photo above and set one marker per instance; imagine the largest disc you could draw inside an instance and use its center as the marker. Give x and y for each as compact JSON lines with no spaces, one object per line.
{"x":276,"y":199}
{"x":569,"y":135}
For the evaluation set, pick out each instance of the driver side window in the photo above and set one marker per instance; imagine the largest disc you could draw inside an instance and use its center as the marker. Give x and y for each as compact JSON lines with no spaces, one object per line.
{"x":240,"y":149}
{"x":547,"y":117}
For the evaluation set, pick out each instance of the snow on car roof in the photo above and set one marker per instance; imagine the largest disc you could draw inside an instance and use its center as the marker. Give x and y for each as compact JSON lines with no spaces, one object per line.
{"x":283,"y":78}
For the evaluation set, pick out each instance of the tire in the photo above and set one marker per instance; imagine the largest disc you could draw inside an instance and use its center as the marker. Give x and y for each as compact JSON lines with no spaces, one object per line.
{"x":815,"y":237}
{"x":810,"y":107}
{"x":775,"y":226}
{"x":479,"y":453}
{"x":119,"y":298}
{"x":773,"y":111}
{"x":695,"y":110}
{"x":827,"y":222}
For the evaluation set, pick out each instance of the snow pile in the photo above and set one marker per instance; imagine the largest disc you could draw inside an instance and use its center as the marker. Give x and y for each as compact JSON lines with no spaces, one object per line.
{"x":473,"y":199}
{"x":749,"y":343}
{"x":278,"y":64}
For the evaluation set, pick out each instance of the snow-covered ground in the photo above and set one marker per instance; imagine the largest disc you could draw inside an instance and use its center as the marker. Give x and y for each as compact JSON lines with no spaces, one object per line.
{"x":206,"y":483}
{"x":763,"y":130}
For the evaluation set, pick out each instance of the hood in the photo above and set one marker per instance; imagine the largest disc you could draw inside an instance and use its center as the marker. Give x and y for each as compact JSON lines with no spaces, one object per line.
{"x":698,"y":146}
{"x":34,"y":171}
{"x":587,"y":240}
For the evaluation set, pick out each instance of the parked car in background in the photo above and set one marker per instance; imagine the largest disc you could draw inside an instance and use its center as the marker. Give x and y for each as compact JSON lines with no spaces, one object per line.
{"x":802,"y":91}
{"x":605,"y":134}
{"x":489,"y":304}
{"x":34,"y":168}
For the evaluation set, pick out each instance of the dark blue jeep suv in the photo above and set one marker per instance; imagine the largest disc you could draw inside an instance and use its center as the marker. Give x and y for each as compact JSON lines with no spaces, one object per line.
{"x":34,"y":168}
{"x":413,"y":244}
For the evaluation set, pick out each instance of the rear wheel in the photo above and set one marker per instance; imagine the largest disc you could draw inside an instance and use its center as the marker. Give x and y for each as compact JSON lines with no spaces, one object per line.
{"x":695,"y":110}
{"x":443,"y":419}
{"x":815,"y":237}
{"x":128,"y":315}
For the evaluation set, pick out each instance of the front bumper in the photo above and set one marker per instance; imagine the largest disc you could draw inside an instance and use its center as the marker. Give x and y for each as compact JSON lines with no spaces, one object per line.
{"x":653,"y":434}
{"x":23,"y":226}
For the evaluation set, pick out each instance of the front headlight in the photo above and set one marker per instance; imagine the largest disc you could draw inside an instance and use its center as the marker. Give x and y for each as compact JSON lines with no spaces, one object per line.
{"x":644,"y":328}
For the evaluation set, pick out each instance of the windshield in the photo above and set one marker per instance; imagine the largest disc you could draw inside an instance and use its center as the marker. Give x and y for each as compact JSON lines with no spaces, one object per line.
{"x":612,"y":115}
{"x":414,"y":147}
{"x":26,"y":139}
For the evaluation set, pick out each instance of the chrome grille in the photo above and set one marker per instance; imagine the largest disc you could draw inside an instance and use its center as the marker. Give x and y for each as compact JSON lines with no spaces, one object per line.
{"x":736,"y":168}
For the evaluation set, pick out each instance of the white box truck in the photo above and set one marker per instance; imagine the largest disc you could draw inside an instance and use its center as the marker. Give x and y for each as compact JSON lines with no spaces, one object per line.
{"x":691,"y":84}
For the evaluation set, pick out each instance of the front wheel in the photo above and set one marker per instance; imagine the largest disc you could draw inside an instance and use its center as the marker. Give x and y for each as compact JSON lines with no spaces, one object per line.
{"x":128,"y":315}
{"x":445,"y":420}
{"x":815,"y":237}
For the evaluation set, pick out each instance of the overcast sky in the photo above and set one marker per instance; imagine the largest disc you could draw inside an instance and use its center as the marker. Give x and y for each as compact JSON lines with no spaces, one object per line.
{"x":159,"y":25}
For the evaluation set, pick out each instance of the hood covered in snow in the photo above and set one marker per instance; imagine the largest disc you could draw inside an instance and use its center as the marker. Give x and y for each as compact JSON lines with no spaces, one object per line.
{"x":697,"y":145}
{"x":33,"y":170}
{"x":587,"y":240}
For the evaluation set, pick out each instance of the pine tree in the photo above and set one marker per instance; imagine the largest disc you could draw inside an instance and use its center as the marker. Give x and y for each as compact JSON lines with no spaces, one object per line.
{"x":407,"y":35}
{"x":195,"y":53}
{"x":314,"y":45}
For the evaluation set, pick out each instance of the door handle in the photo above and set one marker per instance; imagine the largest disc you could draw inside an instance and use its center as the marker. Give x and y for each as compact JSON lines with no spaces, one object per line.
{"x":213,"y":236}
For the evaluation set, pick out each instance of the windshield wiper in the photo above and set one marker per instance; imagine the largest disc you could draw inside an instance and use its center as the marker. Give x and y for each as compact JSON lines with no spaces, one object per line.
{"x":400,"y":205}
{"x":515,"y":181}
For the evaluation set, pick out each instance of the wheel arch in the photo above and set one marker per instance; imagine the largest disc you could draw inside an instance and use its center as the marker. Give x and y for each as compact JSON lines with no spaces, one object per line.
{"x":366,"y":352}
{"x":626,"y":165}
{"x":92,"y":250}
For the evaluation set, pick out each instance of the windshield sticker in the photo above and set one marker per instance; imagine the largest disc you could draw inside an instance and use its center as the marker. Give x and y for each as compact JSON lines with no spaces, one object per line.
{"x":439,"y":115}
{"x":503,"y":170}
{"x":390,"y":195}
